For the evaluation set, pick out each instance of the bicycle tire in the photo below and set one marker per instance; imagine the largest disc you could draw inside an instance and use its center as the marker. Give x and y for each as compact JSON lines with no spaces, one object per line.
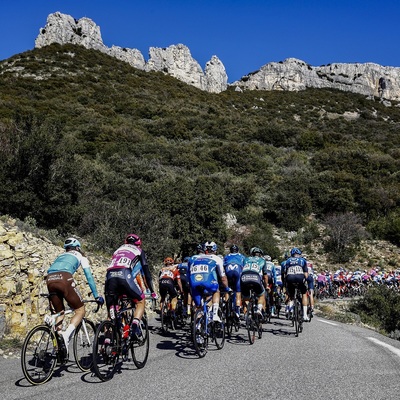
{"x":83,"y":345}
{"x":140,"y":347}
{"x":219,"y":331}
{"x":250,"y":323}
{"x":296,"y":314}
{"x":199,"y":335}
{"x":106,"y":352}
{"x":39,"y":355}
{"x":165,"y":317}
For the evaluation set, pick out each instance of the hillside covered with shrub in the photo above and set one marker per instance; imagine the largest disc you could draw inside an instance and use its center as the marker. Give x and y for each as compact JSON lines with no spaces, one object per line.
{"x":94,"y":147}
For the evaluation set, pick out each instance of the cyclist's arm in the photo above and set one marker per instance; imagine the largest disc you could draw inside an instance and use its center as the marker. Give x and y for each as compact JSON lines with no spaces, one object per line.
{"x":89,"y":276}
{"x":146,"y":271}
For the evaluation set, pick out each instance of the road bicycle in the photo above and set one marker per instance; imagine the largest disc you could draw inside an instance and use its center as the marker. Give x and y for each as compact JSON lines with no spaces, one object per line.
{"x":253,"y":318}
{"x":297,"y":316}
{"x":205,"y":330}
{"x":113,"y":342}
{"x":181,"y":316}
{"x":44,"y":348}
{"x":309,"y":308}
{"x":278,"y":300}
{"x":232,"y":322}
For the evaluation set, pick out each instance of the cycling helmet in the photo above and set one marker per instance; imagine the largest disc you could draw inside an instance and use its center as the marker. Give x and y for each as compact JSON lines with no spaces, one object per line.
{"x":132,"y":238}
{"x":256,"y":250}
{"x":267,"y":258}
{"x":234,"y":249}
{"x":168,"y":260}
{"x":71,"y":242}
{"x":294,"y":251}
{"x":210,"y":246}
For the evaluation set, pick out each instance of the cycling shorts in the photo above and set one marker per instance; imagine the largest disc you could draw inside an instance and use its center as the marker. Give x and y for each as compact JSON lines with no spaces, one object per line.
{"x":119,"y":282}
{"x":310,"y":282}
{"x":251,"y":280}
{"x":61,"y":285}
{"x":166,"y":285}
{"x":292,"y":281}
{"x":202,"y":288}
{"x":233,"y":279}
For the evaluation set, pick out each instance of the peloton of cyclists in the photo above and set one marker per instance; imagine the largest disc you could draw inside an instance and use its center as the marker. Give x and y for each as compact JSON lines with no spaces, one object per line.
{"x":271,"y":285}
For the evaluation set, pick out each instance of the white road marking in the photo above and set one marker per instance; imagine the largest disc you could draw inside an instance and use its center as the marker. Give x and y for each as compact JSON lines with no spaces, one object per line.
{"x":394,"y":350}
{"x":327,"y":322}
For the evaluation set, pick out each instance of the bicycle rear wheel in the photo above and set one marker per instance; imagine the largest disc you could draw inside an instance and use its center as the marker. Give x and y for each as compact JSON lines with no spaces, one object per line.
{"x":83,"y":345}
{"x":165,"y":317}
{"x":250,"y":323}
{"x":200,"y":338}
{"x":296,"y":312}
{"x":140,"y":346}
{"x":219,"y":331}
{"x":105,"y":350}
{"x":39,"y":355}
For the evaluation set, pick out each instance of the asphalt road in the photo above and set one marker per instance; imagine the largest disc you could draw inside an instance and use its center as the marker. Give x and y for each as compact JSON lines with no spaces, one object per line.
{"x":328,"y":360}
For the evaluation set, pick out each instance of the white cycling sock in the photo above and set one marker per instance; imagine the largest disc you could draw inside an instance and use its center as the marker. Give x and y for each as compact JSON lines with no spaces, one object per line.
{"x":68,"y":333}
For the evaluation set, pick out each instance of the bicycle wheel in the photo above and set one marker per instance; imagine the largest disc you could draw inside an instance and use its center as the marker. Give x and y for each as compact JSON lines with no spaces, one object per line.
{"x":39,"y":355}
{"x":219,"y":331}
{"x":250,"y":323}
{"x":165,"y":317}
{"x":106,"y":350}
{"x":140,"y":347}
{"x":296,"y":315}
{"x":83,"y":345}
{"x":200,"y":338}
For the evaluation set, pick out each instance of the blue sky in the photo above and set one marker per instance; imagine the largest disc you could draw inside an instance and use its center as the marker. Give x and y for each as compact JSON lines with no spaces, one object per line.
{"x":244,"y":34}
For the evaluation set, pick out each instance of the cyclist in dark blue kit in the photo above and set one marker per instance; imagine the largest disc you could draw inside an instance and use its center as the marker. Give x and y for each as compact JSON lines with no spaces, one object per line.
{"x":295,"y":271}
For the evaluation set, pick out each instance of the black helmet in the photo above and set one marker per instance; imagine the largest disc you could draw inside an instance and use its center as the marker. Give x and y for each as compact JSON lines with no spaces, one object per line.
{"x":234,"y":249}
{"x":256,"y":250}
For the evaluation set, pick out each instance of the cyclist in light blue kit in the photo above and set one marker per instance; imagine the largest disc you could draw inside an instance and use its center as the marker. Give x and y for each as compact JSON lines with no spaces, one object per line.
{"x":61,"y":285}
{"x":204,"y":272}
{"x":233,"y":265}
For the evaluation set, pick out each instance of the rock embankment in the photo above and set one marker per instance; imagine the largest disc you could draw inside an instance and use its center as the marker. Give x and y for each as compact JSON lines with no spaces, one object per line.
{"x":24,"y":259}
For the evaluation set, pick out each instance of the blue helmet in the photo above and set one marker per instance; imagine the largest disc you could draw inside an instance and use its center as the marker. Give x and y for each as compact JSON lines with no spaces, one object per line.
{"x":71,"y":242}
{"x":294,"y":251}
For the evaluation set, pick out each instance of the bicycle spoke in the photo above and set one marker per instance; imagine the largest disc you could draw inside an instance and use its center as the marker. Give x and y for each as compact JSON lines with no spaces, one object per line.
{"x":199,"y":334}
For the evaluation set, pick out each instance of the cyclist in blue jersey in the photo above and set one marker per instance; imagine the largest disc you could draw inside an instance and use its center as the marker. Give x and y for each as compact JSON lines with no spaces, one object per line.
{"x":233,"y":265}
{"x":271,"y":285}
{"x":295,"y":271}
{"x":310,"y":283}
{"x":123,"y":277}
{"x":204,"y":272}
{"x":61,"y":285}
{"x":254,"y":276}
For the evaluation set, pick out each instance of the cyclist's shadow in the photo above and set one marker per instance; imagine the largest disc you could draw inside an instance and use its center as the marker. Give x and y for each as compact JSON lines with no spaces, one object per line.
{"x":178,"y":340}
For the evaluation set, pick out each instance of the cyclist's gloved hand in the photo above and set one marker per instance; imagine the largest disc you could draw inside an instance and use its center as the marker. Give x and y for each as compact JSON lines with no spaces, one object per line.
{"x":100,"y":300}
{"x":154,"y":295}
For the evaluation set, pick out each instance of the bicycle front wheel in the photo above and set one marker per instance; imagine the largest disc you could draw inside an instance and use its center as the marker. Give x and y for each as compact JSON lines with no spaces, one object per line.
{"x":200,"y":338}
{"x":83,"y":345}
{"x":140,"y":346}
{"x":296,"y":316}
{"x":39,"y":355}
{"x":106,"y":349}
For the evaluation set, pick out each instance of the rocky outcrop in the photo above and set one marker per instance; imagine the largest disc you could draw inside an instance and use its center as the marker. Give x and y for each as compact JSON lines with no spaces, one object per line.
{"x":292,"y":75}
{"x":174,"y":60}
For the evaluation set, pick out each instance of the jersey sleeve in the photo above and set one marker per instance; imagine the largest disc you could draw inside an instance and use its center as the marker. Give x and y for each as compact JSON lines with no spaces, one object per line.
{"x":89,"y":276}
